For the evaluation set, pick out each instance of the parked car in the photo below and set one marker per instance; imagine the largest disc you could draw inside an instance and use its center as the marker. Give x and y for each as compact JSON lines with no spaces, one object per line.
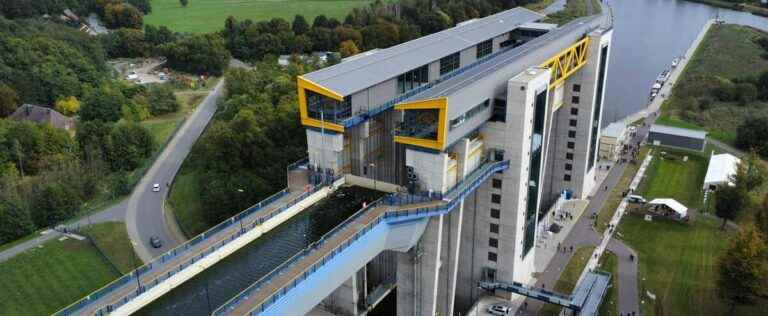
{"x":632,"y":198}
{"x":155,"y":242}
{"x":500,"y":310}
{"x":156,"y":187}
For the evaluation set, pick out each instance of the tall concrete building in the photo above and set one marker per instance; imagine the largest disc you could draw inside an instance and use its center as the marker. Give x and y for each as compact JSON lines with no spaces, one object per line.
{"x":426,"y":114}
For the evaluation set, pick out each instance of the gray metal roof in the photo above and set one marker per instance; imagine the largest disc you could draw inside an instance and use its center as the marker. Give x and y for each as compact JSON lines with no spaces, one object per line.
{"x":677,"y":131}
{"x":360,"y":73}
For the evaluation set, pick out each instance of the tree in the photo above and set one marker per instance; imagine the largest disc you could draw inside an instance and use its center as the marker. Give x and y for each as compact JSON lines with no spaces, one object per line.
{"x":143,"y":5}
{"x":15,"y":221}
{"x":761,"y":217}
{"x":750,"y":173}
{"x":104,"y":104}
{"x":9,"y":100}
{"x":300,"y":25}
{"x":158,"y":35}
{"x":53,"y":203}
{"x":117,"y":15}
{"x":162,"y":100}
{"x":129,"y":145}
{"x":753,"y":135}
{"x":743,"y":268}
{"x":729,"y":201}
{"x":126,"y":42}
{"x":320,"y":21}
{"x":68,"y":106}
{"x":348,"y":48}
{"x":184,"y":3}
{"x":199,"y":53}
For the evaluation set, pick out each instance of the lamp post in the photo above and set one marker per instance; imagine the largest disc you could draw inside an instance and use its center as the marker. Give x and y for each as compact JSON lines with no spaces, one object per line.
{"x":239,"y":190}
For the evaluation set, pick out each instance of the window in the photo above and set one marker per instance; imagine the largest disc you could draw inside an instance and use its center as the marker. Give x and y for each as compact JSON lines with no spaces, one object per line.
{"x":575,"y":99}
{"x":449,"y":63}
{"x":412,"y":79}
{"x":571,"y":145}
{"x":498,"y":155}
{"x":574,"y":111}
{"x":571,"y":134}
{"x":495,"y":198}
{"x":496,"y":183}
{"x":490,"y":274}
{"x":568,"y":167}
{"x":495,"y":228}
{"x":484,"y":48}
{"x":567,"y":178}
{"x":576,"y":88}
{"x":469,"y":114}
{"x":493,"y":243}
{"x":573,"y":123}
{"x":495,"y":213}
{"x":569,"y":156}
{"x":492,"y":256}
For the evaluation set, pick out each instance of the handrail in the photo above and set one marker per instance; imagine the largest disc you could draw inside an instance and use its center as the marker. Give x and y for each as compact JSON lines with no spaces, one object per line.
{"x":164,"y":259}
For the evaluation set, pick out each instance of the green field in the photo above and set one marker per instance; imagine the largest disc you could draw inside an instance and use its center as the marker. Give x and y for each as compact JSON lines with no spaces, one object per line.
{"x":678,"y":265}
{"x":569,"y":277}
{"x":184,"y":202}
{"x":668,"y":176}
{"x":613,"y":201}
{"x":727,"y":52}
{"x":43,"y":280}
{"x":209,"y":15}
{"x":112,"y":238}
{"x":609,"y":263}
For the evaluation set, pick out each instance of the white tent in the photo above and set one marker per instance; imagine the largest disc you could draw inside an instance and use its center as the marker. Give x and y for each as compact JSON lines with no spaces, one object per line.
{"x":721,"y":168}
{"x":680,"y":209}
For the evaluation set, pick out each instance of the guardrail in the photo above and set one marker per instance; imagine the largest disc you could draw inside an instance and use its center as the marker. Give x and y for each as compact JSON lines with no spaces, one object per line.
{"x":469,"y":185}
{"x":242,"y":296}
{"x":164,"y":260}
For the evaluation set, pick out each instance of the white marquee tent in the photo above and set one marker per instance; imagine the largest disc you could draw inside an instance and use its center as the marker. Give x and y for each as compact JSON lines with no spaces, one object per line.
{"x":673,"y":205}
{"x":721,"y":168}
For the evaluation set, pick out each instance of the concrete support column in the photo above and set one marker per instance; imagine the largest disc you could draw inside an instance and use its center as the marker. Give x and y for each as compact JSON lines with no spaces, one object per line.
{"x":430,"y":267}
{"x":344,"y":300}
{"x":407,"y":279}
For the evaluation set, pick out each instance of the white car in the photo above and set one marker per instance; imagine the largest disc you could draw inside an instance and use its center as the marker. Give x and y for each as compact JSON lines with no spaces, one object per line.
{"x":156,"y":187}
{"x":500,"y":310}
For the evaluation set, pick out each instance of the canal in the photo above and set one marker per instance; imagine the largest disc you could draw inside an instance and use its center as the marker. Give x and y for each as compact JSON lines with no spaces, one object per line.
{"x":213,"y":287}
{"x":648,"y":34}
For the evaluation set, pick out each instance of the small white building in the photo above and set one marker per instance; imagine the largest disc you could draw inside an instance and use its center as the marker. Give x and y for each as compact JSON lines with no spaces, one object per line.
{"x":669,"y":207}
{"x":612,"y":140}
{"x":721,"y":169}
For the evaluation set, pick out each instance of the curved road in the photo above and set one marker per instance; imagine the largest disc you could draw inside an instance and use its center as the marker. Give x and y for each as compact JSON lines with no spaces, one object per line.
{"x":145,"y":213}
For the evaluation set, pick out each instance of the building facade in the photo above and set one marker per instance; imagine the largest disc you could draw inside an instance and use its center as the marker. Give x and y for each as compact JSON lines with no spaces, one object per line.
{"x":426,"y":114}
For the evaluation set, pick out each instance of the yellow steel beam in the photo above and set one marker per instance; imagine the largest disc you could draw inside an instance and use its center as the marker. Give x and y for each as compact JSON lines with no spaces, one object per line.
{"x":565,"y":63}
{"x":303,"y":85}
{"x":440,"y":104}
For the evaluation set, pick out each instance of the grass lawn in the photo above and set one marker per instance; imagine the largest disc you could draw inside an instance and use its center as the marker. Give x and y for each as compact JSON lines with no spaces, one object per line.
{"x":613,"y":201}
{"x":610,"y":263}
{"x":569,"y":277}
{"x":669,"y":176}
{"x":112,"y":239}
{"x":43,"y":280}
{"x":573,"y":9}
{"x":707,"y":68}
{"x":678,"y":265}
{"x":184,"y":202}
{"x":209,"y":15}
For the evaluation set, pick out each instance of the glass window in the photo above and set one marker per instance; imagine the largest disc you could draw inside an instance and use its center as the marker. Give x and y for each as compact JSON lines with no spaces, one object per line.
{"x":498,"y":155}
{"x":492,"y":256}
{"x":494,"y":228}
{"x":484,"y":48}
{"x":495,"y":213}
{"x":324,"y":108}
{"x":568,"y":167}
{"x":450,"y":63}
{"x":469,"y":114}
{"x":573,"y":123}
{"x":495,"y":198}
{"x":575,"y":99}
{"x":567,"y":178}
{"x":571,"y":145}
{"x":496,"y":183}
{"x":569,"y":156}
{"x":493,"y":243}
{"x":576,"y":88}
{"x":412,"y":79}
{"x":574,"y":111}
{"x":572,"y":134}
{"x":597,"y":109}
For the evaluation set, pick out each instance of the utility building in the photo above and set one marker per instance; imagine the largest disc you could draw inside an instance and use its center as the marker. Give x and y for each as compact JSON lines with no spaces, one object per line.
{"x":428,"y":113}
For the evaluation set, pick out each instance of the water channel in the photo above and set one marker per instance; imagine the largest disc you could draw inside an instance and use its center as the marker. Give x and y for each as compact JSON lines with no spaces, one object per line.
{"x":216,"y":285}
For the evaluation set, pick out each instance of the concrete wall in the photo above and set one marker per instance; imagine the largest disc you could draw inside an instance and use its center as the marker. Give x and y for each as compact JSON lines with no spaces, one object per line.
{"x":431,"y":169}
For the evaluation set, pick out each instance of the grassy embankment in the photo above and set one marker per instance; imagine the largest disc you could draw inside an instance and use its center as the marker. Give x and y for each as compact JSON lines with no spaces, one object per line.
{"x":47,"y":278}
{"x":751,"y":7}
{"x":610,"y":263}
{"x":613,"y":201}
{"x":208,"y":15}
{"x":569,"y":277}
{"x":727,"y":52}
{"x":573,"y":9}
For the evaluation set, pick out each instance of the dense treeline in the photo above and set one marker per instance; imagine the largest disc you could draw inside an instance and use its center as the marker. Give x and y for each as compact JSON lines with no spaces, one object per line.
{"x":379,"y":25}
{"x":115,"y":13}
{"x":241,"y":158}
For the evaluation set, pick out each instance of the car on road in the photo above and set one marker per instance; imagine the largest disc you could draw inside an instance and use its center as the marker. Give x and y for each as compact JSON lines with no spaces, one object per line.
{"x":156,"y":187}
{"x":500,"y":310}
{"x":155,"y":242}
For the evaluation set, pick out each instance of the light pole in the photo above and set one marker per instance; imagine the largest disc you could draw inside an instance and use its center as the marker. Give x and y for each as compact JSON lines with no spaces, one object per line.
{"x":239,"y":190}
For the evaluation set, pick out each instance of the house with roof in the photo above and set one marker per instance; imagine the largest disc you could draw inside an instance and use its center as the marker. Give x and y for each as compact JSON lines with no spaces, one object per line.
{"x":43,"y":115}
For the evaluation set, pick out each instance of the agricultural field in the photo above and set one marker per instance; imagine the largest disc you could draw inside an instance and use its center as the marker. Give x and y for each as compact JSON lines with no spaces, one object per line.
{"x":202,"y":16}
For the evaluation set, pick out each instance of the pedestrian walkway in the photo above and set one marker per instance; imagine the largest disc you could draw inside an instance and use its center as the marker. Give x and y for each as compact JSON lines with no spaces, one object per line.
{"x":627,"y":277}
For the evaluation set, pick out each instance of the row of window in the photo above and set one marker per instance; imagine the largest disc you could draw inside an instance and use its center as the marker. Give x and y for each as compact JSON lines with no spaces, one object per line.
{"x":572,"y":133}
{"x":412,"y":79}
{"x":469,"y":114}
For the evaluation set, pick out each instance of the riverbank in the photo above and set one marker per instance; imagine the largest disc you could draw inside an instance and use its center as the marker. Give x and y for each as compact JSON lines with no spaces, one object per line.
{"x":745,"y":7}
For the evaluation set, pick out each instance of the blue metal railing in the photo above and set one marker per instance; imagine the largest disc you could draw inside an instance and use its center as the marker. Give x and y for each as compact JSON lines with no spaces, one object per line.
{"x":164,"y":260}
{"x":357,"y":119}
{"x":468,"y":185}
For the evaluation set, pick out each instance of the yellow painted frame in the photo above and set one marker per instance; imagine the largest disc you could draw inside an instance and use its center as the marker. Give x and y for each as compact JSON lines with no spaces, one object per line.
{"x":304,"y":84}
{"x":440,"y":104}
{"x":565,"y":63}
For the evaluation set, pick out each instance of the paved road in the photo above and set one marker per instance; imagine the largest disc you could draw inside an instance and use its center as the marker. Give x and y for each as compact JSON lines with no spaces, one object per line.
{"x":627,"y":276}
{"x":145,"y":215}
{"x":114,"y":213}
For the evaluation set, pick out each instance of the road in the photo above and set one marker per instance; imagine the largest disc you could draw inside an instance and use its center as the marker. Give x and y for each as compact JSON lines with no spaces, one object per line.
{"x":145,"y":213}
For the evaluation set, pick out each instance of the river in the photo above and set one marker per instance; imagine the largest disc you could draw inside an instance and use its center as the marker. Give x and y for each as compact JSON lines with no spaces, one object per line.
{"x":648,"y":34}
